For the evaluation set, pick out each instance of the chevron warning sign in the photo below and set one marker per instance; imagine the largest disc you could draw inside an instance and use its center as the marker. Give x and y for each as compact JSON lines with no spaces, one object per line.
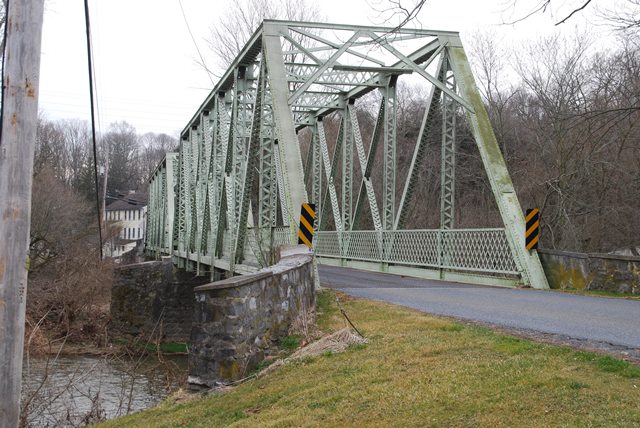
{"x":307,"y":218}
{"x":532,"y":234}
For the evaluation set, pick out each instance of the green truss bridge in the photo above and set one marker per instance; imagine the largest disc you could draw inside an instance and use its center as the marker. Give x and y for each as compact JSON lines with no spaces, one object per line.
{"x":284,"y":126}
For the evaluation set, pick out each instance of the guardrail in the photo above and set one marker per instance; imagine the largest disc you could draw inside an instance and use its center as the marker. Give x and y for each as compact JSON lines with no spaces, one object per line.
{"x":477,"y":250}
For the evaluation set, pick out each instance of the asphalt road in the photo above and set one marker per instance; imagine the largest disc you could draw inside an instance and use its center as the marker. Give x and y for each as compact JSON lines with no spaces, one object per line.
{"x":612,"y":321}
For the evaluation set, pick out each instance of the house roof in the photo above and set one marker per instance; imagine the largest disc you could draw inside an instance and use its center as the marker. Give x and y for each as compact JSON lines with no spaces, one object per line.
{"x":125,"y":204}
{"x":137,"y":197}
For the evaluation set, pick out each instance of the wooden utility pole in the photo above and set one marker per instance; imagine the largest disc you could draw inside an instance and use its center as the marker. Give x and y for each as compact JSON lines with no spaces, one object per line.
{"x":20,"y":82}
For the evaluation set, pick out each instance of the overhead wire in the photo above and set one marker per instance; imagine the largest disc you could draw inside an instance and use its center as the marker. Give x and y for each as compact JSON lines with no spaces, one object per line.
{"x":93,"y":120}
{"x":202,"y":62}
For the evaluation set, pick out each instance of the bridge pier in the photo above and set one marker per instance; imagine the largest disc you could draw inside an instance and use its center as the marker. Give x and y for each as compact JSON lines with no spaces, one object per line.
{"x":231,"y":324}
{"x":154,"y":298}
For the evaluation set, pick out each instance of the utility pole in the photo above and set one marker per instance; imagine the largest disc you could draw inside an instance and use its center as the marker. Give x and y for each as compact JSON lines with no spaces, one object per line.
{"x":20,"y":84}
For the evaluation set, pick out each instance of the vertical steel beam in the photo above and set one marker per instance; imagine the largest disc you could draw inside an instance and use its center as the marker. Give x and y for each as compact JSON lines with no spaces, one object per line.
{"x":249,"y":168}
{"x":193,"y":185}
{"x":448,"y":154}
{"x":316,"y":171}
{"x":389,"y":156}
{"x":347,"y":169}
{"x":169,"y":224}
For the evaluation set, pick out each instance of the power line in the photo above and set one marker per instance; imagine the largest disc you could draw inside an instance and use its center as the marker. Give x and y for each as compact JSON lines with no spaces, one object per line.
{"x":93,"y":120}
{"x":195,"y":44}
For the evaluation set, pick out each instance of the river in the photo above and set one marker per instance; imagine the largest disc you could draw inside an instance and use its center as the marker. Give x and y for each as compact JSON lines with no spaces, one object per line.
{"x":72,"y":391}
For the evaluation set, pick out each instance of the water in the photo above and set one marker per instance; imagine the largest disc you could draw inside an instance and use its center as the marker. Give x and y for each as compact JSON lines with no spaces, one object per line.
{"x":77,"y":390}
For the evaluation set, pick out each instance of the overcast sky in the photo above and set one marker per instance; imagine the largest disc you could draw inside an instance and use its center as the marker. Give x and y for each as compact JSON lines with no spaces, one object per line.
{"x":144,"y":56}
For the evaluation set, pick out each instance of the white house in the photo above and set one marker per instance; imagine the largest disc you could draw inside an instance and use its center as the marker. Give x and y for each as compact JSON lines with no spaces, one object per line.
{"x":128,"y":214}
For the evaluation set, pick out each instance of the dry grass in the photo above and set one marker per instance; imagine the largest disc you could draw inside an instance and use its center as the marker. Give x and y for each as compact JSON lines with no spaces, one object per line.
{"x":420,"y":370}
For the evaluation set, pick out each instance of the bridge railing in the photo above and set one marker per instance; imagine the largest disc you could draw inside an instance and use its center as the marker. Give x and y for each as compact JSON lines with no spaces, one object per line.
{"x":476,"y":250}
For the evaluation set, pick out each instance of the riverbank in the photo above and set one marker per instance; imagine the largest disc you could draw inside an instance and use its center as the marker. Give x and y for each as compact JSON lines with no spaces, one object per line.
{"x":76,"y":390}
{"x":420,"y":370}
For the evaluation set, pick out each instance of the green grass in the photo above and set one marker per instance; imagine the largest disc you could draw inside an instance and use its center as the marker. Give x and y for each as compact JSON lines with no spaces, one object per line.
{"x":290,"y":343}
{"x":420,"y":370}
{"x":600,"y":293}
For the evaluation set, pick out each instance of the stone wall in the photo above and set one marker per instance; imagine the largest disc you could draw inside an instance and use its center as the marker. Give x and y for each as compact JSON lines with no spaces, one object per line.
{"x":237,"y":321}
{"x":591,"y":271}
{"x":154,"y":296}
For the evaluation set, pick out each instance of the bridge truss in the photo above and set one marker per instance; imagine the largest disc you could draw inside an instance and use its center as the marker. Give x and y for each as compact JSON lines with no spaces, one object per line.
{"x":234,"y":189}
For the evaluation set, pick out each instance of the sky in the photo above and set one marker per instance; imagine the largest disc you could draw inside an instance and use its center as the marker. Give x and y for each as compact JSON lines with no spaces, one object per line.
{"x":145,"y":60}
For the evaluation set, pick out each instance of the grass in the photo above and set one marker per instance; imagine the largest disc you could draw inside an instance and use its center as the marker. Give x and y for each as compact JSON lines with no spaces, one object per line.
{"x":290,"y":343}
{"x":420,"y":370}
{"x":600,"y":293}
{"x":172,"y":347}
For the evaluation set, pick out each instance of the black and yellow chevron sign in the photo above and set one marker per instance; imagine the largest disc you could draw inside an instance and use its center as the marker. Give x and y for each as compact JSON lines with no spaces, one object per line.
{"x":532,"y":235}
{"x":307,"y":218}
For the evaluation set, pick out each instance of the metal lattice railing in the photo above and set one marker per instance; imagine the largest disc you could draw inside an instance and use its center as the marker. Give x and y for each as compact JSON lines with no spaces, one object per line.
{"x":479,"y":250}
{"x":281,"y":236}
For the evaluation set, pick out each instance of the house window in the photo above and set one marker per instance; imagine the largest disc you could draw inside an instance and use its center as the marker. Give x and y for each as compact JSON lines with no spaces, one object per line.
{"x":138,"y":233}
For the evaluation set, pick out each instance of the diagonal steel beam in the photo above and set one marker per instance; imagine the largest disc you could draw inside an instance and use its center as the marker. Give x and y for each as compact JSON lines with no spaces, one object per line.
{"x":328,"y":63}
{"x":366,"y":172}
{"x":290,"y":157}
{"x":426,"y":75}
{"x":366,"y":181}
{"x":419,"y":152}
{"x":336,"y":45}
{"x":329,"y":168}
{"x":496,"y":169}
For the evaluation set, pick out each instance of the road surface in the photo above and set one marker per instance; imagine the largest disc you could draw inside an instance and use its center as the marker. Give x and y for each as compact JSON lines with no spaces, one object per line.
{"x":599,"y":319}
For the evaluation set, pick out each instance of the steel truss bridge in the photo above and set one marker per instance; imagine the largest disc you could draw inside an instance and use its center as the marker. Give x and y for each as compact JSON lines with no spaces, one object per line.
{"x":233,"y":191}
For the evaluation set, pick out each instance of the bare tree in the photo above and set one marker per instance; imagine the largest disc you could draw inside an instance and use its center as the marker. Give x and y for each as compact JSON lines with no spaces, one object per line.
{"x":153,"y":147}
{"x":120,"y":143}
{"x":397,"y":12}
{"x":624,"y":15}
{"x":237,"y":24}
